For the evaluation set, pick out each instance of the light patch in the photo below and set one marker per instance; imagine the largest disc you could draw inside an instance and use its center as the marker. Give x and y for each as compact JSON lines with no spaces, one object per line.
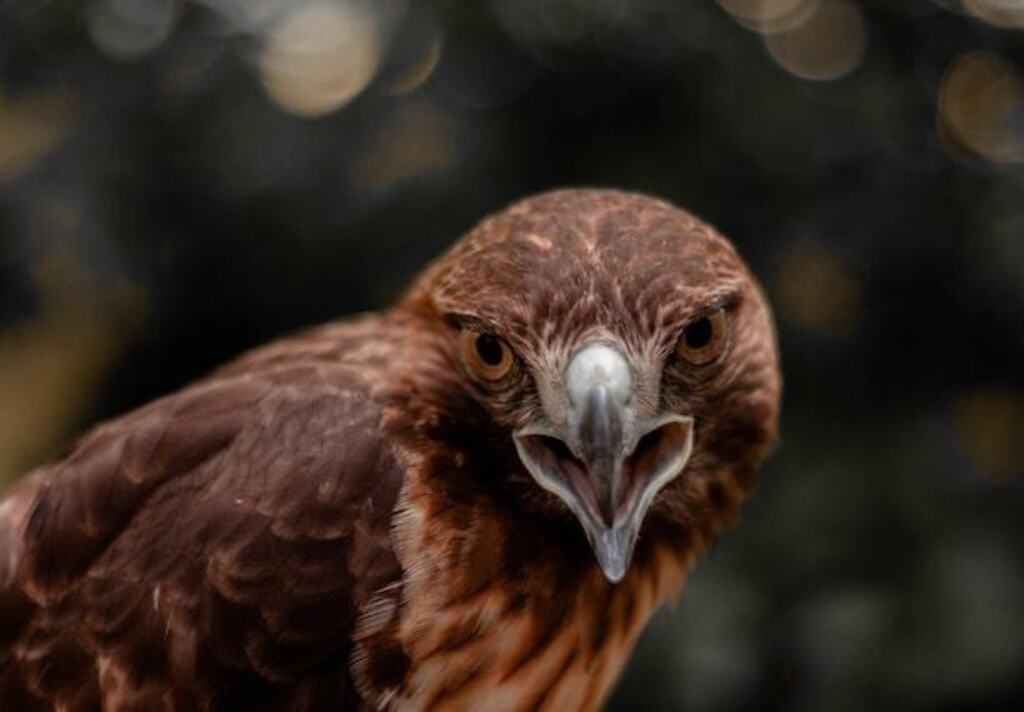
{"x":537,"y":241}
{"x":12,"y":518}
{"x":598,"y":364}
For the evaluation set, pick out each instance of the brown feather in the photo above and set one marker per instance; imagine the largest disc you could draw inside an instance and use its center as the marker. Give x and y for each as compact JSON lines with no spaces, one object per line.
{"x":339,"y":521}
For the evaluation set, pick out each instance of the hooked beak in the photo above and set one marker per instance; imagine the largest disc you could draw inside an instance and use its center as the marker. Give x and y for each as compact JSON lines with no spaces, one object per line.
{"x":603,"y":464}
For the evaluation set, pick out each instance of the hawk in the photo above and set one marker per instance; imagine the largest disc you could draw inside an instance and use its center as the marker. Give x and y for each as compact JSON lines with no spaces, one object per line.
{"x":473,"y":500}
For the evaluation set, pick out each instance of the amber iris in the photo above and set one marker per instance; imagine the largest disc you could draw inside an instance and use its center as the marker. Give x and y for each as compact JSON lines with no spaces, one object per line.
{"x":704,"y":340}
{"x":486,"y":356}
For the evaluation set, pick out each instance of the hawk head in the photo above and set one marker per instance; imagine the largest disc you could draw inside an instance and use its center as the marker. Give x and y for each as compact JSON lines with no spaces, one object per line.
{"x":622,"y":349}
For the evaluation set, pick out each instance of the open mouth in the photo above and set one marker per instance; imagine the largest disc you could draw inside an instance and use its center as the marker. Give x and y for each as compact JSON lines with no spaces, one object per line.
{"x":654,"y":453}
{"x":610,"y":493}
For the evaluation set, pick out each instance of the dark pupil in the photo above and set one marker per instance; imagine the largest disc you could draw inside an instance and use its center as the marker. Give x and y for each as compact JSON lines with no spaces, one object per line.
{"x":489,"y":349}
{"x":698,"y":334}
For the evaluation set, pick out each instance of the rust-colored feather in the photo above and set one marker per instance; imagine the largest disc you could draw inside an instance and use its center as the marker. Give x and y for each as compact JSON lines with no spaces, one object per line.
{"x":339,"y":520}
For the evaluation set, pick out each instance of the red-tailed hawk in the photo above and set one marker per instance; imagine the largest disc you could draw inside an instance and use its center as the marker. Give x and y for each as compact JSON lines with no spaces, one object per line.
{"x":471,"y":501}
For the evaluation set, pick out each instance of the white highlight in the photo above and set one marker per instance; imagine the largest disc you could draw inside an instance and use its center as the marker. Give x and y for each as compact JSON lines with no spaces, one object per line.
{"x":598,"y":364}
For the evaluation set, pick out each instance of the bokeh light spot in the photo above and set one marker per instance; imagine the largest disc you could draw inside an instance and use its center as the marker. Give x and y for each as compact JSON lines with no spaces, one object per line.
{"x":990,"y":424}
{"x":565,"y":22}
{"x":981,"y":104}
{"x":52,"y":364}
{"x":247,"y":15}
{"x":320,"y":56}
{"x":999,"y":13}
{"x":418,"y":139}
{"x":130,"y":29}
{"x":816,"y":290}
{"x":770,"y":16}
{"x":30,"y":127}
{"x":828,"y":45}
{"x":418,"y":71}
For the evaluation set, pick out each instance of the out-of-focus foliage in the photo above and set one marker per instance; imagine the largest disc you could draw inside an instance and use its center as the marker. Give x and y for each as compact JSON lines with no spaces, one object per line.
{"x":180,"y":180}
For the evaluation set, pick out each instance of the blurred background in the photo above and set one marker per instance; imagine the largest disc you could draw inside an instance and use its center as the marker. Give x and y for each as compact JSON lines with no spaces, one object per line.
{"x":181,"y":180}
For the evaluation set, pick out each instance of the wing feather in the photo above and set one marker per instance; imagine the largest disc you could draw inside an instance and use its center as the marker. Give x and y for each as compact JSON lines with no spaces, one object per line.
{"x":211,"y":549}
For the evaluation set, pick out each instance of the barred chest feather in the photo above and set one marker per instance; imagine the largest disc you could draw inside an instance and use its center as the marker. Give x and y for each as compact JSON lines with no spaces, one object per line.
{"x":463,"y":632}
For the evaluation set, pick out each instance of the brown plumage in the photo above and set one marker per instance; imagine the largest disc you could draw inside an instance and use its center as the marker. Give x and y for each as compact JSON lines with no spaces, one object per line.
{"x":432,"y":507}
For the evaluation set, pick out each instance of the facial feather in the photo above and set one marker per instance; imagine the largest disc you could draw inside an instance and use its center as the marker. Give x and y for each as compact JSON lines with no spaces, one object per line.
{"x":557,"y":271}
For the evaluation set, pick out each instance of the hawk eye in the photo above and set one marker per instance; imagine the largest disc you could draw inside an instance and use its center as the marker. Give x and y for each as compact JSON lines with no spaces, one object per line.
{"x":489,"y":349}
{"x":704,"y":339}
{"x":485,"y":355}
